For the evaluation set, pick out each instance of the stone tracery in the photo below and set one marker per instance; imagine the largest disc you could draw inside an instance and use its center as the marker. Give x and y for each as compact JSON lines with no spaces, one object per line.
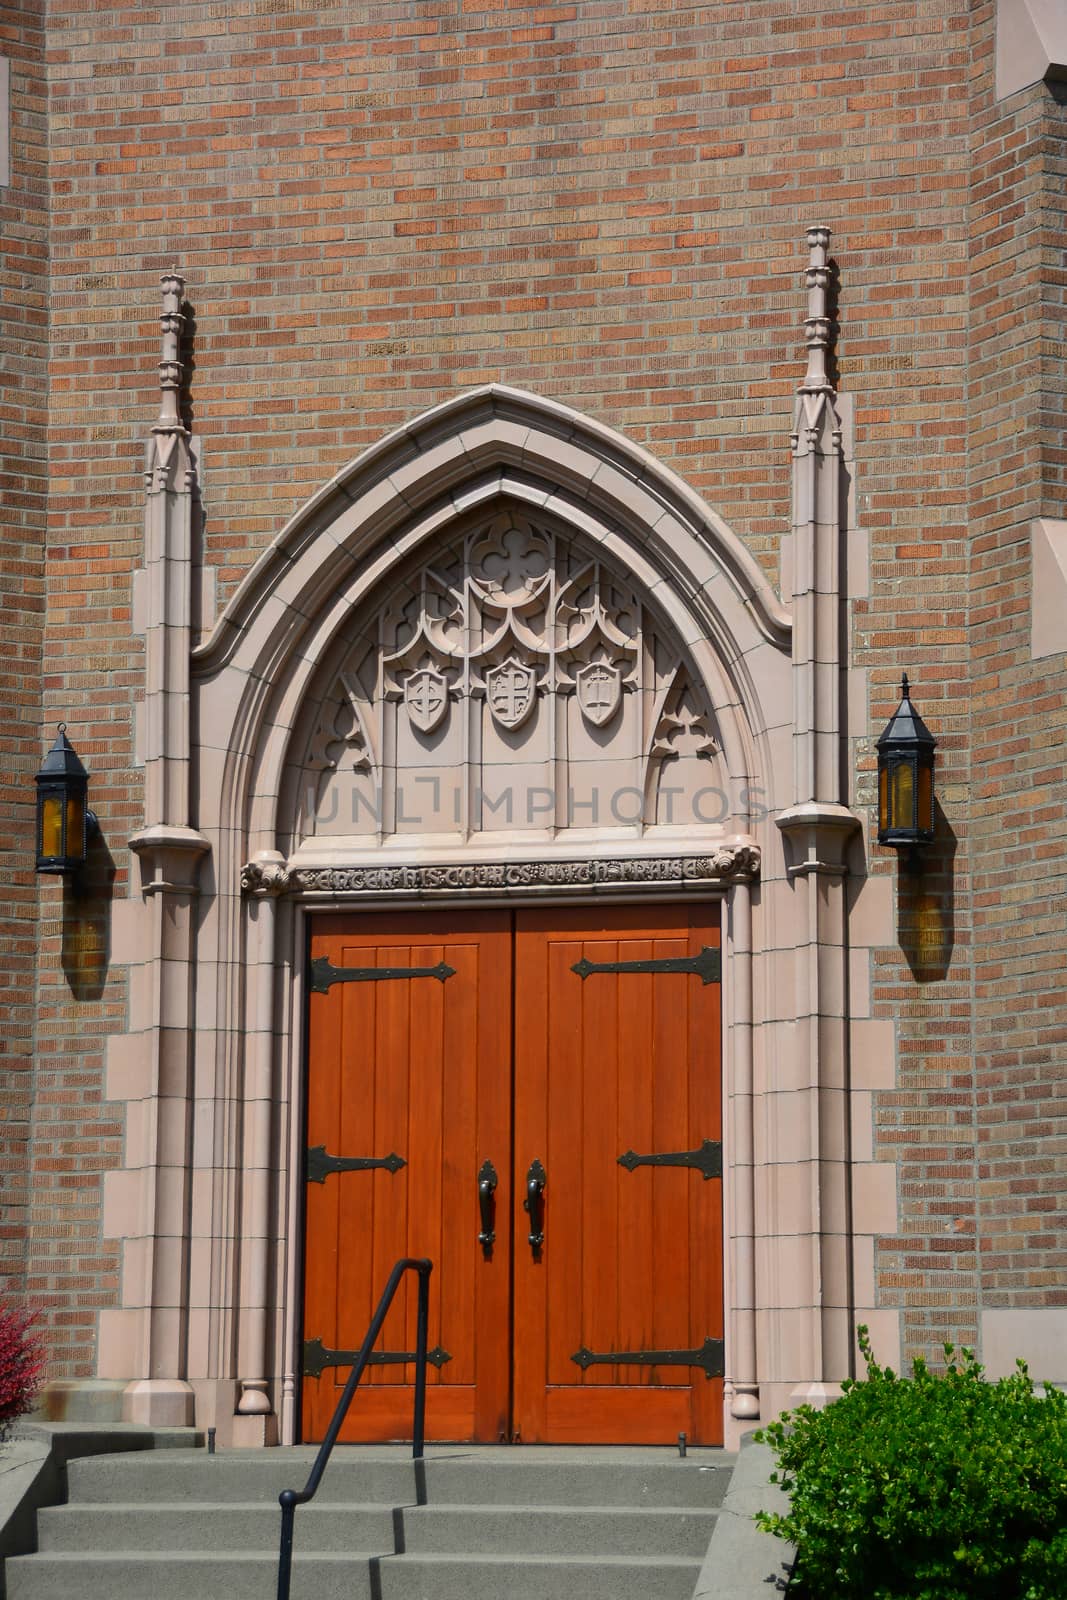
{"x":512,"y":679}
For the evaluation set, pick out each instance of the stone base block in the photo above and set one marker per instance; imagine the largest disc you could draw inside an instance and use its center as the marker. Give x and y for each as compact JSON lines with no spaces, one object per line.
{"x":158,"y":1403}
{"x":82,"y":1400}
{"x":253,"y":1433}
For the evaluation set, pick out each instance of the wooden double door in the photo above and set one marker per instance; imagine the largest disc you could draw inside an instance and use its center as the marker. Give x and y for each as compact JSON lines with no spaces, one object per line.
{"x":477,"y":1081}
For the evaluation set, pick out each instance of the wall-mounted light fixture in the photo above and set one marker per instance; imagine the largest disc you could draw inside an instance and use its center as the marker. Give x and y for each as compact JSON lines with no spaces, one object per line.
{"x":63,"y":821}
{"x":906,"y":779}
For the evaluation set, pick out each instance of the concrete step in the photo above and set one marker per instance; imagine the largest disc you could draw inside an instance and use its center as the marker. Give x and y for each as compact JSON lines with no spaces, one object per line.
{"x":167,"y":1575}
{"x":240,"y":1476}
{"x":581,"y":1481}
{"x":556,"y":1531}
{"x":329,"y":1528}
{"x":465,"y":1478}
{"x":497,"y":1577}
{"x":190,"y":1524}
{"x":529,"y":1523}
{"x":181,"y":1575}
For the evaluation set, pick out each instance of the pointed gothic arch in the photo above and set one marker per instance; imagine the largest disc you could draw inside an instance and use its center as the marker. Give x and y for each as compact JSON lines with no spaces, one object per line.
{"x":489,"y":448}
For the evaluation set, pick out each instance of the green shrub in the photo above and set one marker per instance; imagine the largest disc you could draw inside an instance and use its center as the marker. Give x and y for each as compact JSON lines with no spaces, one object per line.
{"x":937,"y":1487}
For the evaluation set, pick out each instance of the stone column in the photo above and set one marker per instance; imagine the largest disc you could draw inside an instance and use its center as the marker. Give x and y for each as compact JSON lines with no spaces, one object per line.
{"x":263,"y":880}
{"x":169,"y":852}
{"x":817,"y":829}
{"x":744,"y":1402}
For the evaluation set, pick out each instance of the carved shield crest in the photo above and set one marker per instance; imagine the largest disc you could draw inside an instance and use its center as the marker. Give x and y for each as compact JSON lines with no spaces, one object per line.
{"x":599,"y":687}
{"x":511,"y":689}
{"x":426,"y":698}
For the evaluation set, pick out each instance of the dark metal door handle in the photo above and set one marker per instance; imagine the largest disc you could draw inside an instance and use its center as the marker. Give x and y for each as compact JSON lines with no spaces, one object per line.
{"x":534,"y":1204}
{"x":487,"y":1181}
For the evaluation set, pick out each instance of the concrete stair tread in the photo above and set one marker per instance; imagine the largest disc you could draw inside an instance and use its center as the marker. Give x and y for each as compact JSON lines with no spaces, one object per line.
{"x":536,"y":1577}
{"x":142,"y":1507}
{"x":134,"y":1528}
{"x":467,"y":1478}
{"x":270,"y":1557}
{"x":464,"y":1508}
{"x":523,"y":1507}
{"x":509,"y":1559}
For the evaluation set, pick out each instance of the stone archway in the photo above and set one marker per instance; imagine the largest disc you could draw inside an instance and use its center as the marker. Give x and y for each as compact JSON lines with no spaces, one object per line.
{"x":669,"y":632}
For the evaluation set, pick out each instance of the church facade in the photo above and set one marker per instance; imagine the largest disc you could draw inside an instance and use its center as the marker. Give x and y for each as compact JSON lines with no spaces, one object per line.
{"x":475,"y":479}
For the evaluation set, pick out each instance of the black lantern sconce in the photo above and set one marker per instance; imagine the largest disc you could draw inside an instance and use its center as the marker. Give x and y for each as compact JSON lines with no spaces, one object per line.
{"x":906,"y":780}
{"x":63,"y":820}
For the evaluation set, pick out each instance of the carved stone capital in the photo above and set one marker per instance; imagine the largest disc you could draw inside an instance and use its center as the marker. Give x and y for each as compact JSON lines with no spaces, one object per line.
{"x":818,"y":836}
{"x":265,"y":875}
{"x":170,"y":859}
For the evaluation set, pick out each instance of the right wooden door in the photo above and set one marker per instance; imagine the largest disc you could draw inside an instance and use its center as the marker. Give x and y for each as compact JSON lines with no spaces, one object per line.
{"x":618,"y":1311}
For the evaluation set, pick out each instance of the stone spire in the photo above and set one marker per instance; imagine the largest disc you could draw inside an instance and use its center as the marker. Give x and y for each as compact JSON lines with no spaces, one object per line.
{"x":171,"y":321}
{"x":817,"y":324}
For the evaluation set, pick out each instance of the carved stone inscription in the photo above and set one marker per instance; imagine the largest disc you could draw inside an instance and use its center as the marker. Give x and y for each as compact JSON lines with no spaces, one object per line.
{"x":512,"y":679}
{"x":726,"y":865}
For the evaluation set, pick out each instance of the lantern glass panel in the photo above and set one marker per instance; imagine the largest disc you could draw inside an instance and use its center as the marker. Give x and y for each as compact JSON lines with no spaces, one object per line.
{"x":883,"y":800}
{"x":52,"y":825}
{"x":75,"y":825}
{"x":903,"y":796}
{"x":925,"y":817}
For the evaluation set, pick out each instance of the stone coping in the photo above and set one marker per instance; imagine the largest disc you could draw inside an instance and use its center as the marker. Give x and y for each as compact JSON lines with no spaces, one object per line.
{"x":742,"y":1563}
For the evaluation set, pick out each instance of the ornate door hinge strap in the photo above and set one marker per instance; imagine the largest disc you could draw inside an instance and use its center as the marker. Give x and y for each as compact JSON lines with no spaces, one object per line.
{"x":317,"y":1357}
{"x":324,"y":973}
{"x":321,"y":1163}
{"x":709,"y":1358}
{"x":707,"y":965}
{"x":707,"y":1160}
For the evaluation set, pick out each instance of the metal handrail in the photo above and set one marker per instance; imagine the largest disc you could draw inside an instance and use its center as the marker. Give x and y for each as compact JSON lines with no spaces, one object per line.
{"x":289,"y":1499}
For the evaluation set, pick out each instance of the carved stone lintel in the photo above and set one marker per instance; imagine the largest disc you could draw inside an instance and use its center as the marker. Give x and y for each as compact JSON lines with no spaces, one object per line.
{"x":725,"y":864}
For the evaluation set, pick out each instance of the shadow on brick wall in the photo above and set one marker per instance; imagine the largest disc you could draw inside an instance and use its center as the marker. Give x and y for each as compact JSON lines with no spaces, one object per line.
{"x":926,"y":905}
{"x":87,"y":921}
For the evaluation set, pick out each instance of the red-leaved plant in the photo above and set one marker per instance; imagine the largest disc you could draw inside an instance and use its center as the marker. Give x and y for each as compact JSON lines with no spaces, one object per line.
{"x":21,"y":1365}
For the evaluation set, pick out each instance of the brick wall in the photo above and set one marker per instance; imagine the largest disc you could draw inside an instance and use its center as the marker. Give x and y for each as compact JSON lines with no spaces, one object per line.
{"x":913,"y":501}
{"x":23,"y":417}
{"x":604,"y":203}
{"x":1019,"y":399}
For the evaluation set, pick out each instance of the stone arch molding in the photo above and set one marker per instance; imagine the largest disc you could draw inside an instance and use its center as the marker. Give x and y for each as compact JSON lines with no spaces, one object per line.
{"x":278,"y":651}
{"x":661,"y":594}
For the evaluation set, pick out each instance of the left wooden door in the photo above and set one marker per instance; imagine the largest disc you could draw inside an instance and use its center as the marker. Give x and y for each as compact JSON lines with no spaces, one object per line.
{"x":416,"y":1067}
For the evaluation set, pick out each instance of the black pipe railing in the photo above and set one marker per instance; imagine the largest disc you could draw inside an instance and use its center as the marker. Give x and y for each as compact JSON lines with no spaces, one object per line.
{"x":289,"y":1499}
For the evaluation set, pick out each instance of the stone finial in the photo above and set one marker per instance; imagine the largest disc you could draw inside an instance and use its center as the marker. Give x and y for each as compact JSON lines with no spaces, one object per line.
{"x":817,"y":324}
{"x":171,"y":321}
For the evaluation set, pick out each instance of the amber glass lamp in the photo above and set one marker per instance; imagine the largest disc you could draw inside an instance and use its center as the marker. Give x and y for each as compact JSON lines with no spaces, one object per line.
{"x":906,"y":778}
{"x":63,"y":821}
